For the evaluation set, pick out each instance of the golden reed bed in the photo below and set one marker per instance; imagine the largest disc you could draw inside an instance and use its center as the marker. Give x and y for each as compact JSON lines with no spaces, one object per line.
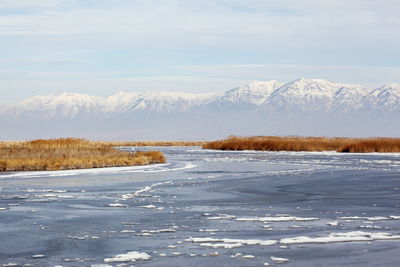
{"x":152,"y":143}
{"x":69,"y":153}
{"x":274,"y":143}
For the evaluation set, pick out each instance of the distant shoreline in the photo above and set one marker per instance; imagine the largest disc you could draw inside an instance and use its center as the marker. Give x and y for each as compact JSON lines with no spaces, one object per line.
{"x":275,"y":143}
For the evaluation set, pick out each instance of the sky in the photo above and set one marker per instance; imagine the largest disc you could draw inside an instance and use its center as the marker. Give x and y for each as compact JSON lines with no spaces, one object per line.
{"x":99,"y":47}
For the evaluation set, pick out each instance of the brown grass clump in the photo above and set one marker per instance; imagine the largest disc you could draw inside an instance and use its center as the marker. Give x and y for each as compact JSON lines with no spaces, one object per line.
{"x":274,"y":143}
{"x":69,"y":153}
{"x":373,"y":145}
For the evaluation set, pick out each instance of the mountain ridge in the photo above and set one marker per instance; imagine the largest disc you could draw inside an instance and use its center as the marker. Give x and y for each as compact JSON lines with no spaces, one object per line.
{"x":302,"y":106}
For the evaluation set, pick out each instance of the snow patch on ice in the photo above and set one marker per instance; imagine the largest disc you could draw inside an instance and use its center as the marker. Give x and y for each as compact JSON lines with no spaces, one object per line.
{"x":143,"y":190}
{"x":129,"y":257}
{"x":118,"y":205}
{"x":278,"y":259}
{"x":38,"y":256}
{"x":333,"y":223}
{"x":375,"y":218}
{"x":274,"y":219}
{"x":167,"y":230}
{"x":229,"y":242}
{"x":341,"y":237}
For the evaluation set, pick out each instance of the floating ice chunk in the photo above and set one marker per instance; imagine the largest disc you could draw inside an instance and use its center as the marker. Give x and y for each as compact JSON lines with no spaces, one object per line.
{"x":375,"y":218}
{"x":137,"y":193}
{"x":144,"y":190}
{"x":341,"y":237}
{"x":221,"y":245}
{"x":148,"y":207}
{"x":333,"y":223}
{"x":203,"y":239}
{"x":146,"y":234}
{"x":66,"y":196}
{"x":248,"y":257}
{"x":118,"y":205}
{"x":274,"y":219}
{"x":2,"y":208}
{"x":167,"y":230}
{"x":83,"y":237}
{"x":129,"y":257}
{"x":127,"y":231}
{"x":277,"y":259}
{"x":38,"y":256}
{"x":236,"y":242}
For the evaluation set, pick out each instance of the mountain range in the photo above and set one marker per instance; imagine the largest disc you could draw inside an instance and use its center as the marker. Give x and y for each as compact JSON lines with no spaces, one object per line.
{"x":312,"y":107}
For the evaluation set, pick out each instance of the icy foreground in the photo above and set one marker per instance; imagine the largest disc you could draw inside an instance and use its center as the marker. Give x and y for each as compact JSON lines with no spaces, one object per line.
{"x":208,"y":208}
{"x":303,"y":107}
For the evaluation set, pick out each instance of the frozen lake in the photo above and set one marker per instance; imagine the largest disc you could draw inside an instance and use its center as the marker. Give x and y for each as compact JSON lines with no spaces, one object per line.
{"x":207,"y":208}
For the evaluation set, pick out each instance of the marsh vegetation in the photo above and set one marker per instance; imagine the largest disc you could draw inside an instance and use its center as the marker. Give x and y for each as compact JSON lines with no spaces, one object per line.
{"x":275,"y":143}
{"x":69,"y":153}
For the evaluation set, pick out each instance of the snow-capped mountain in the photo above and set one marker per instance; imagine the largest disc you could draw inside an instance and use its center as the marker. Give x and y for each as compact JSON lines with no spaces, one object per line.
{"x":385,"y":98}
{"x":65,"y":105}
{"x":166,"y":102}
{"x":119,"y":101}
{"x":311,"y":95}
{"x":254,"y":93}
{"x":303,"y":107}
{"x":349,"y":97}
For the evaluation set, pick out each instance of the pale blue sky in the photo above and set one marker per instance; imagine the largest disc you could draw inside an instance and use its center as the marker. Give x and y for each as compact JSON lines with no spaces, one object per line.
{"x":99,"y":47}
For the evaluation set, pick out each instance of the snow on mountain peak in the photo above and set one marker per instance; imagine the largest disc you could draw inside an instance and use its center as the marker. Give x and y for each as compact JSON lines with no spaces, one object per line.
{"x":253,"y":93}
{"x":304,"y":86}
{"x":386,"y":97}
{"x":64,"y":105}
{"x":167,"y":101}
{"x":314,"y":94}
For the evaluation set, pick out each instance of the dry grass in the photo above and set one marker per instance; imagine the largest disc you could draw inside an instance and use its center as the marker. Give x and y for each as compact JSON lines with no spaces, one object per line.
{"x":152,"y":143}
{"x":68,"y":153}
{"x":274,"y":143}
{"x":373,"y":145}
